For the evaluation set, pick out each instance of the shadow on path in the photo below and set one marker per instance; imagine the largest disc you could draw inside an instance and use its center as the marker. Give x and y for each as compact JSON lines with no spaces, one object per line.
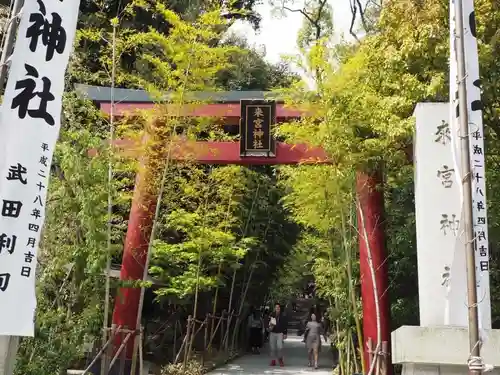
{"x":295,"y":361}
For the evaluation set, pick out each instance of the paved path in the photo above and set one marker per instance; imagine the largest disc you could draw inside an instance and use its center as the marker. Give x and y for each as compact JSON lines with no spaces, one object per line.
{"x":295,"y":362}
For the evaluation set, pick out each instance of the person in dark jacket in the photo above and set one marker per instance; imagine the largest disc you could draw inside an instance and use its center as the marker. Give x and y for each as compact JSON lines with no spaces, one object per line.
{"x":278,"y":325}
{"x":265,"y":317}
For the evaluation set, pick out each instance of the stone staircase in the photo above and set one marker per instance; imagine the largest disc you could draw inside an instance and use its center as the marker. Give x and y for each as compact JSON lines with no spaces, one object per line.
{"x":296,"y":318}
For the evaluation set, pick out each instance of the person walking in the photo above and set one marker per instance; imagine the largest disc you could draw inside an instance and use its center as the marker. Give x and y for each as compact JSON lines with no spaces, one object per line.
{"x":277,"y":335}
{"x":255,"y":325}
{"x":310,"y":288}
{"x":294,"y":303}
{"x":312,"y":337}
{"x":266,"y":317}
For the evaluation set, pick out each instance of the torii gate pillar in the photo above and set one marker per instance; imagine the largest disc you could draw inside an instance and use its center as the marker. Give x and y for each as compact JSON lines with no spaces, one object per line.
{"x":372,"y":250}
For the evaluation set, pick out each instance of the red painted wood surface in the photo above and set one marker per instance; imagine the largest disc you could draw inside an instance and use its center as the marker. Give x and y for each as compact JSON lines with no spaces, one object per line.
{"x":139,"y":230}
{"x":229,"y":153}
{"x":371,"y":200}
{"x":134,"y":260}
{"x":229,"y":110}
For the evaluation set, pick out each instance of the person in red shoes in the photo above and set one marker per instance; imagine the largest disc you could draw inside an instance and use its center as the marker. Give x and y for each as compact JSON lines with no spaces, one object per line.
{"x":277,"y":335}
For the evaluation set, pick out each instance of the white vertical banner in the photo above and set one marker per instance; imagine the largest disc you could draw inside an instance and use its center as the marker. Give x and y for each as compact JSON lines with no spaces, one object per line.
{"x":476,"y":138}
{"x":437,"y":209}
{"x":476,"y":131}
{"x":30,"y":115}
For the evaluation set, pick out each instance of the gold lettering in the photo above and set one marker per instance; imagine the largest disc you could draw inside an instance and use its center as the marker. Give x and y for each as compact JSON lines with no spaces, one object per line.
{"x":258,"y":133}
{"x":257,"y":143}
{"x":257,"y":123}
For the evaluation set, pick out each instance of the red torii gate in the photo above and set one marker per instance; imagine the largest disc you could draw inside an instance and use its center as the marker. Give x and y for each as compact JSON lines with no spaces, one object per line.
{"x":369,"y":193}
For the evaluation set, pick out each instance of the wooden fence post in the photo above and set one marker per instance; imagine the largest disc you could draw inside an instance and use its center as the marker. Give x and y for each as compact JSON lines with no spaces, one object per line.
{"x":205,"y":340}
{"x":186,"y":341}
{"x":123,"y":356}
{"x":384,"y":362}
{"x":174,"y":351}
{"x":221,"y":345}
{"x":371,"y":358}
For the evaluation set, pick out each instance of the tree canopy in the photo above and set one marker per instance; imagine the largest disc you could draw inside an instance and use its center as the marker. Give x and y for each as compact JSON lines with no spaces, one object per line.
{"x":131,"y":22}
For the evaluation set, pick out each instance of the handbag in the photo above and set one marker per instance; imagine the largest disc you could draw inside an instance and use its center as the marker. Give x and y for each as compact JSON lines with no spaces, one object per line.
{"x":306,"y":332}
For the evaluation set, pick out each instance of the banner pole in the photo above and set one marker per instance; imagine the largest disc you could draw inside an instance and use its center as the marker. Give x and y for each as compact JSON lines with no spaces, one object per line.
{"x":474,"y":341}
{"x":9,"y":344}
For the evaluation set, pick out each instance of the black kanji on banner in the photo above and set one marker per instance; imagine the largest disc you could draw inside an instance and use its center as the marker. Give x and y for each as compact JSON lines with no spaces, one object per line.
{"x":256,"y":126}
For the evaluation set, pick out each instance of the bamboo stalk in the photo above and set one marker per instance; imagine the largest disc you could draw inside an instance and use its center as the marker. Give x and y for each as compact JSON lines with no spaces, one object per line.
{"x":123,"y":357}
{"x":341,"y":361}
{"x":119,"y":351}
{"x":221,"y":340}
{"x":243,"y":298}
{"x":176,"y":360}
{"x":141,"y":348}
{"x":99,"y":354}
{"x":188,"y":338}
{"x":352,"y":293}
{"x":205,"y":341}
{"x":214,"y":304}
{"x":110,"y":201}
{"x":124,"y":330}
{"x":109,"y":352}
{"x":348,"y":352}
{"x":175,"y":340}
{"x":245,"y":230}
{"x":236,"y":331}
{"x":356,"y":364}
{"x":230,"y":307}
{"x":159,"y":199}
{"x":226,"y":335}
{"x":214,"y":332}
{"x":198,"y":272}
{"x":216,"y":296}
